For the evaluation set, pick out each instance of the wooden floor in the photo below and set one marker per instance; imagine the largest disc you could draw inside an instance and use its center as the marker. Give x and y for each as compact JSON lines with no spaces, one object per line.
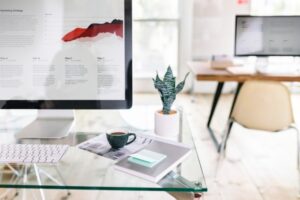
{"x":258,"y":166}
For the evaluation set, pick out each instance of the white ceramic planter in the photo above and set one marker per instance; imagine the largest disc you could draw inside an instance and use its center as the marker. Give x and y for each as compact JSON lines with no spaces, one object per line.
{"x":167,"y":125}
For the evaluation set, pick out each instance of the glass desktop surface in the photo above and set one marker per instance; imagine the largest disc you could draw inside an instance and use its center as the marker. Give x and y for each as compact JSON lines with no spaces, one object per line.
{"x":82,"y":170}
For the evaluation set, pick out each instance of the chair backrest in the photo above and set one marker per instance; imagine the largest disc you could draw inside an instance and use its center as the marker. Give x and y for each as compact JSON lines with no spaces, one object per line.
{"x":264,"y":105}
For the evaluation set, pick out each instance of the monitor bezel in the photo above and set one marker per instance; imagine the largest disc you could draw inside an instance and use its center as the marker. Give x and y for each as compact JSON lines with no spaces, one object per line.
{"x":260,"y":55}
{"x":89,"y":104}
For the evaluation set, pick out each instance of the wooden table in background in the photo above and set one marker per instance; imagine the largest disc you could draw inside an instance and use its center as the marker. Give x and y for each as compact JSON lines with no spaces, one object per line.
{"x":202,"y":73}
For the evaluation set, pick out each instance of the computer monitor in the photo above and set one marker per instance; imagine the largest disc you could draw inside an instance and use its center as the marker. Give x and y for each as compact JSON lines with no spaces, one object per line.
{"x":267,"y":36}
{"x":62,"y":55}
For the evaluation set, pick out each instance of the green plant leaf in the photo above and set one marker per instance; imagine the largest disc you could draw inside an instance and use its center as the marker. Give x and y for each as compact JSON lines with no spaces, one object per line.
{"x":167,"y":89}
{"x":170,"y":85}
{"x":180,"y":86}
{"x":168,"y":75}
{"x":170,"y":81}
{"x":160,"y":85}
{"x":167,"y":104}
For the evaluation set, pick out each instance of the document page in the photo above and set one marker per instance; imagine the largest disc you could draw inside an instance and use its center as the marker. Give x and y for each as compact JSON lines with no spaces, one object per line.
{"x":62,"y":50}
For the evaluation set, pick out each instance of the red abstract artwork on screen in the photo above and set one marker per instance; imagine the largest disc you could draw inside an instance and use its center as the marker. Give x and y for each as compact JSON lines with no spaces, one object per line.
{"x":114,"y":27}
{"x":242,"y":2}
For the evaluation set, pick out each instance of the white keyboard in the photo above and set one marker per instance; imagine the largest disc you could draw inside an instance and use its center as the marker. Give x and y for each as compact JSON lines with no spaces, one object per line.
{"x":31,"y":153}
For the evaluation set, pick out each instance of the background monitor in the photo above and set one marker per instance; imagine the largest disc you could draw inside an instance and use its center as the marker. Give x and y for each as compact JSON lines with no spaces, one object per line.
{"x":67,"y":54}
{"x":267,"y":36}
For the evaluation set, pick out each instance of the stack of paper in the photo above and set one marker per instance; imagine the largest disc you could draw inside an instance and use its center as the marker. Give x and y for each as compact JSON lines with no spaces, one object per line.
{"x":146,"y":158}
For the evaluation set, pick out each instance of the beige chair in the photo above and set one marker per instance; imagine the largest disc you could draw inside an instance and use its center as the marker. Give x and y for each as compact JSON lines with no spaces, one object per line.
{"x":263,"y":105}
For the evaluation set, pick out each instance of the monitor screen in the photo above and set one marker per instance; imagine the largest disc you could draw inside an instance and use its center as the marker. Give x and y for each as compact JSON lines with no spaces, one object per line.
{"x":267,"y":36}
{"x":65,"y":54}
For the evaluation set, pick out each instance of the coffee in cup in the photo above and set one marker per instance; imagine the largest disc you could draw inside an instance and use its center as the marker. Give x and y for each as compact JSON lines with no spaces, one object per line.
{"x":119,"y":138}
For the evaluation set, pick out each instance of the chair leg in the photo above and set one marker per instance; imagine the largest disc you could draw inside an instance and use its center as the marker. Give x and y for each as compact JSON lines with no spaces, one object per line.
{"x":298,"y":159}
{"x":298,"y":156}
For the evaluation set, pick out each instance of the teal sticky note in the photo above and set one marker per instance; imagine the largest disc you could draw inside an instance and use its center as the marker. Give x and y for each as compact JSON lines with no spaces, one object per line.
{"x":146,"y":158}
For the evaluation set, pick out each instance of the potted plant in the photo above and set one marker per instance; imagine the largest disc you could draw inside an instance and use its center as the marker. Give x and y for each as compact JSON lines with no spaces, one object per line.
{"x":167,"y":120}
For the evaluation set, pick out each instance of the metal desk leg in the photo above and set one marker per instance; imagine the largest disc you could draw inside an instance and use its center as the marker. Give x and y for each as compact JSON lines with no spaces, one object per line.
{"x":212,"y":111}
{"x":39,"y":180}
{"x":237,"y":92}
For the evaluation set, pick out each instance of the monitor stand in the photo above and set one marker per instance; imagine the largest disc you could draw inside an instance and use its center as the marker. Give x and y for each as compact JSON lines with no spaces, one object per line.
{"x":262,"y":64}
{"x":49,"y":124}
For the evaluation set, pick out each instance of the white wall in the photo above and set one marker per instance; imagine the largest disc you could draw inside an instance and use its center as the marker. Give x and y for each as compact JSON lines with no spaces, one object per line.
{"x":206,"y":28}
{"x":184,"y":51}
{"x":213,"y":33}
{"x":214,"y":22}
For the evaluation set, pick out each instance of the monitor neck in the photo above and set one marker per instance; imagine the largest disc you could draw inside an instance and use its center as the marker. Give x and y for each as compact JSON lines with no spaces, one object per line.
{"x":49,"y":124}
{"x":56,"y":114}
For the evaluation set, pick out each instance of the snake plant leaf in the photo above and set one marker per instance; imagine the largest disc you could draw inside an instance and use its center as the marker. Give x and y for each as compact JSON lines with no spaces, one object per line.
{"x":170,"y":85}
{"x":167,"y":104}
{"x":168,"y":75}
{"x":167,"y":89}
{"x":170,"y":80}
{"x":180,"y":86}
{"x":159,"y":85}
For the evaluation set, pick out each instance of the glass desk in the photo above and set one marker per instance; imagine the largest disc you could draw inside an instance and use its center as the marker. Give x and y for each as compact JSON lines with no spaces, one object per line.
{"x":81,"y":170}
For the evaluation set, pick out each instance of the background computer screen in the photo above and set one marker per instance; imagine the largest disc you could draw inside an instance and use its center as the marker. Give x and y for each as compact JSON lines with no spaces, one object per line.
{"x":65,"y":50}
{"x":267,"y":36}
